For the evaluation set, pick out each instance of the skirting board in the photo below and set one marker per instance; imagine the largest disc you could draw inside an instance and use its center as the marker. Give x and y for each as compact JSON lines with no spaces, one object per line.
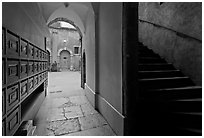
{"x":90,"y":94}
{"x":112,"y":116}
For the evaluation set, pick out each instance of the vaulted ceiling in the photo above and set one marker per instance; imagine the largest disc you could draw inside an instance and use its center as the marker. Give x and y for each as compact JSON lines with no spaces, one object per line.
{"x":74,"y":11}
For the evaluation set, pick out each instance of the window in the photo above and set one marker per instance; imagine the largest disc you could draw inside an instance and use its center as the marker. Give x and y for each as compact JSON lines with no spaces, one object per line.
{"x":76,"y":50}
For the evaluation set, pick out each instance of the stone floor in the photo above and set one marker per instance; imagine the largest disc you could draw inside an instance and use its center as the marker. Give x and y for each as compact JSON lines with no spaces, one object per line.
{"x":66,"y":111}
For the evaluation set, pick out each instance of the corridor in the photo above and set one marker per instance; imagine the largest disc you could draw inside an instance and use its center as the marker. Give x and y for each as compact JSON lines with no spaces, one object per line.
{"x":102,"y":68}
{"x":66,"y":111}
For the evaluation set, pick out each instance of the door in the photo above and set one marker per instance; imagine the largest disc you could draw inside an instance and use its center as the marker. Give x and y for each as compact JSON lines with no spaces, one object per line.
{"x":64,"y":60}
{"x":48,"y":60}
{"x":83,"y":70}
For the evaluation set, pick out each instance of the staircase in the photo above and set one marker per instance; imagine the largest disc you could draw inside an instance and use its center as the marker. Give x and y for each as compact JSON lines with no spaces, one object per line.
{"x":171,"y":104}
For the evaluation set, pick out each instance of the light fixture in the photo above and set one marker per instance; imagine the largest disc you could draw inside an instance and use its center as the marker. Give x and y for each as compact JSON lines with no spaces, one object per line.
{"x":64,"y":40}
{"x":66,"y":4}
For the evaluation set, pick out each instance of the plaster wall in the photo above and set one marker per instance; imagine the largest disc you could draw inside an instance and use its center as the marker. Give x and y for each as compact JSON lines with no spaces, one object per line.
{"x":88,"y":43}
{"x":110,"y":54}
{"x":174,"y":31}
{"x":110,"y":64}
{"x":26,"y":20}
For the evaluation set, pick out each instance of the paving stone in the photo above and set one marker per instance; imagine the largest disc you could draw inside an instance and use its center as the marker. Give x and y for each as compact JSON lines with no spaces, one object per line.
{"x":41,"y":129}
{"x":68,"y":104}
{"x":54,"y":89}
{"x":99,"y":131}
{"x":91,"y":121}
{"x":64,"y":126}
{"x":41,"y":116}
{"x":87,"y":109}
{"x":56,"y":114}
{"x":49,"y":133}
{"x":79,"y":100}
{"x":58,"y":102}
{"x":55,"y":110}
{"x":72,"y":112}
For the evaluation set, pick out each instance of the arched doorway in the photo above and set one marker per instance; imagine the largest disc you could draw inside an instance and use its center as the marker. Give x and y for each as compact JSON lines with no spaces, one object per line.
{"x":49,"y":62}
{"x":65,"y":60}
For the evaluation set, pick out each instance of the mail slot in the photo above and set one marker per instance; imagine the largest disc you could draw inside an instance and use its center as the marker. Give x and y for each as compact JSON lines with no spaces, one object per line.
{"x":3,"y":127}
{"x":35,"y":67}
{"x":45,"y":56}
{"x":30,"y":51}
{"x":3,"y":42}
{"x":36,"y":53}
{"x":12,"y":45}
{"x":12,"y":96}
{"x":30,"y":68}
{"x":36,"y":80}
{"x":23,"y":49}
{"x":3,"y":72}
{"x":42,"y":63}
{"x":3,"y":102}
{"x":13,"y":120}
{"x":12,"y":73}
{"x":39,"y":78}
{"x":30,"y":84}
{"x":43,"y":75}
{"x":23,"y":69}
{"x":24,"y":89}
{"x":39,"y":66}
{"x":45,"y":66}
{"x":40,"y":54}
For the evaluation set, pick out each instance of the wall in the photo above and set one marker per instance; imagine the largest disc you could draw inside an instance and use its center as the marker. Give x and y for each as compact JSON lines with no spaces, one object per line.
{"x":174,"y":31}
{"x":26,"y":20}
{"x":109,"y":97}
{"x":88,"y":44}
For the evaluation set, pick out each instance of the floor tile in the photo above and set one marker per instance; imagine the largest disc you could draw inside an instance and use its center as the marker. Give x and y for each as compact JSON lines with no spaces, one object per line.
{"x":58,"y":102}
{"x":55,"y":114}
{"x":99,"y":131}
{"x":87,"y":109}
{"x":64,"y":126}
{"x":79,"y":100}
{"x":91,"y":121}
{"x":73,"y":112}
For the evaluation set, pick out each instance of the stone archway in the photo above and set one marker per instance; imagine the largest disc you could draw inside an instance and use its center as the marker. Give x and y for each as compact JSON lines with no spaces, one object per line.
{"x":65,"y":20}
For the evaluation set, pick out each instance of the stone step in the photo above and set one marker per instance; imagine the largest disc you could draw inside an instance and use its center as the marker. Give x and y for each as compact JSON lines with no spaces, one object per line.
{"x":162,"y":121}
{"x":190,"y":132}
{"x":174,"y":106}
{"x":167,"y":94}
{"x":151,"y":60}
{"x":159,"y":83}
{"x":147,"y":53}
{"x":155,"y":67}
{"x":160,"y":74}
{"x":185,"y":120}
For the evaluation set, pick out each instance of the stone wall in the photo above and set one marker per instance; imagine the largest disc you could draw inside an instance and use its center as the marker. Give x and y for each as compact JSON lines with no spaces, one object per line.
{"x":58,"y":44}
{"x":174,"y":31}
